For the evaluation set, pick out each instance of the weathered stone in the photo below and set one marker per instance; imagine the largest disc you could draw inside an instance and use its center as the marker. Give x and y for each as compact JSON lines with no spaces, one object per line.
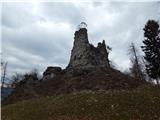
{"x":85,"y":55}
{"x":51,"y":72}
{"x":51,"y":69}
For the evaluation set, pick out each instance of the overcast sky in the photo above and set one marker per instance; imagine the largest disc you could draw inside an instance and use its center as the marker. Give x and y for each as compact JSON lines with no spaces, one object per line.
{"x":37,"y":35}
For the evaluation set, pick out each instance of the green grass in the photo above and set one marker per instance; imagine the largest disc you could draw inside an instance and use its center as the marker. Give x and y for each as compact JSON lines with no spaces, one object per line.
{"x":140,"y":104}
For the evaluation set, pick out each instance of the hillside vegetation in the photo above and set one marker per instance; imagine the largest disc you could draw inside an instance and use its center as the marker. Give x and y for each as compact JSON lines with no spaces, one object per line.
{"x":140,"y":104}
{"x":108,"y":79}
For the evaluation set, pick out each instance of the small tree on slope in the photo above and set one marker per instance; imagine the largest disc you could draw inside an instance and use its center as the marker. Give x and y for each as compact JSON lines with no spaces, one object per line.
{"x":151,"y":49}
{"x":136,"y":68}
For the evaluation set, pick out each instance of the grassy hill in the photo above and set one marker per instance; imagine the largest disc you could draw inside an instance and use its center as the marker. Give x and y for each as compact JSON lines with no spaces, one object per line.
{"x":79,"y":80}
{"x":140,"y":104}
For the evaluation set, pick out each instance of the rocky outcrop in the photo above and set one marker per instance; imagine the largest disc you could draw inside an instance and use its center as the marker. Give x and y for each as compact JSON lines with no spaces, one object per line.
{"x":51,"y":72}
{"x":84,"y":55}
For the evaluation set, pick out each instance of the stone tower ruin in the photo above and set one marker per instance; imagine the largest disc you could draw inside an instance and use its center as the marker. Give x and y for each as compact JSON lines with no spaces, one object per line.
{"x":84,"y":55}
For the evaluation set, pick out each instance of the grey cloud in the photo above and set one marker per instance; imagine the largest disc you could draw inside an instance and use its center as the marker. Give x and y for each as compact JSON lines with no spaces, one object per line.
{"x":36,"y":43}
{"x":18,"y":14}
{"x":62,"y":12}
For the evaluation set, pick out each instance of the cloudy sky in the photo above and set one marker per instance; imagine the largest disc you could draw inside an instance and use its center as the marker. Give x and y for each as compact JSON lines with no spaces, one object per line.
{"x":37,"y":35}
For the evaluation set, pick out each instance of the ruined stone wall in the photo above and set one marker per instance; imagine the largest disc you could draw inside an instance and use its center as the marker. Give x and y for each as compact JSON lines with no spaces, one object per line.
{"x":85,"y":55}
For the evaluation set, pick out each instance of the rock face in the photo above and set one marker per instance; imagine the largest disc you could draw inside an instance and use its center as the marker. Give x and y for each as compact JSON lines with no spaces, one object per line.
{"x":51,"y":72}
{"x":84,"y":55}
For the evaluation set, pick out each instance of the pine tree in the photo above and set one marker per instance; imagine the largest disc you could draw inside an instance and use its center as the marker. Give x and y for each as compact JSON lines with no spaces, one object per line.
{"x":151,"y":49}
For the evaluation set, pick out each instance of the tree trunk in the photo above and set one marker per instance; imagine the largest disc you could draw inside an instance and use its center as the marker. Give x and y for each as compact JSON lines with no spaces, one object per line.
{"x":157,"y":81}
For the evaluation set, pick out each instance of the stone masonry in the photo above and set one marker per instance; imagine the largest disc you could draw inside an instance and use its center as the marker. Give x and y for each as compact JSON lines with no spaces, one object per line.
{"x":84,"y":55}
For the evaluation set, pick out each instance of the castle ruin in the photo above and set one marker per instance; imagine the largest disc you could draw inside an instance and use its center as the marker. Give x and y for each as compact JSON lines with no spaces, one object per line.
{"x":84,"y":55}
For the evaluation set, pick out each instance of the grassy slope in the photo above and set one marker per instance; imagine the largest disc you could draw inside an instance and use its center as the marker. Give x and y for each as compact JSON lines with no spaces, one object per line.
{"x":141,"y":104}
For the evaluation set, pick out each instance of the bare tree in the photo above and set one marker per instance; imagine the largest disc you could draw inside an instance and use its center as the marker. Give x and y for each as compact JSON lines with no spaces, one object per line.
{"x":16,"y":78}
{"x":4,"y":70}
{"x":136,"y":69}
{"x":25,"y":78}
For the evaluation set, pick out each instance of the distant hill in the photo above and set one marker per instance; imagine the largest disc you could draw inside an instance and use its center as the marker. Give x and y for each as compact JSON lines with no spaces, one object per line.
{"x":5,"y":92}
